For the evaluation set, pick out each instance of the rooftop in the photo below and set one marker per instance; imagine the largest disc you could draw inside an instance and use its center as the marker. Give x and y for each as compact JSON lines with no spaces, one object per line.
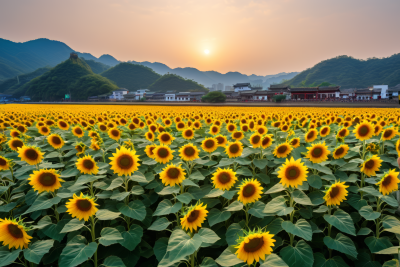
{"x":242,"y":85}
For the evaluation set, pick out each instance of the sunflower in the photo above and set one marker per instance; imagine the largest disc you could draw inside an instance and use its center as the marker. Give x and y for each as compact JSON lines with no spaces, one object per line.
{"x":222,"y":140}
{"x":94,"y":145}
{"x":78,"y":132}
{"x":377,"y":129}
{"x":172,"y":175}
{"x":214,"y":130}
{"x":189,"y":152}
{"x":234,"y":149}
{"x":294,"y":142}
{"x":371,"y":165}
{"x":340,"y":151}
{"x":45,"y":180}
{"x":256,"y":140}
{"x":317,"y":153}
{"x":87,"y":165}
{"x":254,"y":246}
{"x":102,"y":127}
{"x":389,"y":133}
{"x":115,"y":134}
{"x":292,"y":173}
{"x":195,"y":216}
{"x":4,"y":163}
{"x":237,"y":135}
{"x":81,"y":207}
{"x":44,"y":130}
{"x":14,"y":233}
{"x":336,"y":194}
{"x":389,"y":182}
{"x":209,"y":144}
{"x":249,"y":191}
{"x":165,"y":138}
{"x":267,"y":141}
{"x":224,"y":179}
{"x":55,"y":141}
{"x":15,"y":144}
{"x":150,"y":151}
{"x":80,"y":147}
{"x":324,"y":131}
{"x":63,"y":125}
{"x":15,"y":133}
{"x":398,"y":146}
{"x":342,"y":133}
{"x":124,"y":162}
{"x":231,"y":127}
{"x":180,"y":126}
{"x":364,"y":131}
{"x":163,"y":154}
{"x":311,"y":135}
{"x":31,"y":154}
{"x":282,"y":150}
{"x":188,"y":134}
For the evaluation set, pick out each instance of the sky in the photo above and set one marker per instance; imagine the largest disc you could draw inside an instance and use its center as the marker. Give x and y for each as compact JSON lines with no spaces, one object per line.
{"x":259,"y":37}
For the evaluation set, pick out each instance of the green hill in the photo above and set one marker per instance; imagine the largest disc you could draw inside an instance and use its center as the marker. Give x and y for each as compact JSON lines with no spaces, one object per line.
{"x":71,"y":76}
{"x":97,"y":67}
{"x":170,"y":82}
{"x":10,"y":86}
{"x":131,"y":76}
{"x":349,"y":72}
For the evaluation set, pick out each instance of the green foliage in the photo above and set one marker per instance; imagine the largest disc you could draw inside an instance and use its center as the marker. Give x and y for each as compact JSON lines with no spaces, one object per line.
{"x":349,"y":72}
{"x":72,"y":76}
{"x":278,"y":98}
{"x":11,"y":86}
{"x":172,"y":82}
{"x":96,"y":67}
{"x":214,"y":97}
{"x":131,"y":76}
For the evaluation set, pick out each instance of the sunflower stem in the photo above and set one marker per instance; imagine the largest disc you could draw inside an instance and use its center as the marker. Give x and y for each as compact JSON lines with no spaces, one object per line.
{"x":247,"y":215}
{"x":94,"y":239}
{"x":192,"y":260}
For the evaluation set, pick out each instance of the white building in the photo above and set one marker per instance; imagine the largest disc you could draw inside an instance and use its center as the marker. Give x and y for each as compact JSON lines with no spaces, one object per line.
{"x":119,"y":94}
{"x":220,"y":87}
{"x":228,"y":88}
{"x":242,"y":87}
{"x":170,"y":97}
{"x":384,"y":90}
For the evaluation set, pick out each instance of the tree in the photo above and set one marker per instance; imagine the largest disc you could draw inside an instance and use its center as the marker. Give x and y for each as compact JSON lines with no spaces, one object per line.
{"x":214,"y":97}
{"x":279,"y":98}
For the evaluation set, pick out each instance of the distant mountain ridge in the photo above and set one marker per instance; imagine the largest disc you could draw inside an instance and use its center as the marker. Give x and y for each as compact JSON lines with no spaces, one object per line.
{"x":21,"y":58}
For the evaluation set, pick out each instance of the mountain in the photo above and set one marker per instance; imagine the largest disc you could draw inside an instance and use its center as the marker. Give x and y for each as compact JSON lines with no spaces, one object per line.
{"x":173,"y":82}
{"x":276,"y":79}
{"x":19,"y":58}
{"x":97,"y":67}
{"x":131,"y":76}
{"x":349,"y":72}
{"x":11,"y":86}
{"x":73,"y":76}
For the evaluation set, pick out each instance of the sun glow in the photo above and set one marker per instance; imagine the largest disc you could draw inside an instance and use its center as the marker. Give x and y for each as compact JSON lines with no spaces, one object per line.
{"x":206,"y":51}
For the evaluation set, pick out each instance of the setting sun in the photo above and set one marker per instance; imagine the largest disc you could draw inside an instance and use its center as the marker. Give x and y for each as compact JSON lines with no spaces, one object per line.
{"x":206,"y":51}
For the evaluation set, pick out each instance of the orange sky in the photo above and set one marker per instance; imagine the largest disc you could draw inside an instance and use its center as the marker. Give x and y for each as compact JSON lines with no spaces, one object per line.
{"x":253,"y":37}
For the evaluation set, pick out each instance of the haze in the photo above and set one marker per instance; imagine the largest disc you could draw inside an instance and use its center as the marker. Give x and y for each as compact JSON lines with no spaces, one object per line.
{"x":253,"y":37}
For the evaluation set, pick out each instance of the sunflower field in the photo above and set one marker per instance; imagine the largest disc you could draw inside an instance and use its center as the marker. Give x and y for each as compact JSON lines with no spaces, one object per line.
{"x":92,"y":185}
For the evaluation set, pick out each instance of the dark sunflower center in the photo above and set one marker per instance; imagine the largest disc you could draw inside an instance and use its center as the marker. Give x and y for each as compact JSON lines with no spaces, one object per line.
{"x":79,"y":148}
{"x":21,"y":128}
{"x":181,"y":125}
{"x":316,"y":152}
{"x":245,"y":128}
{"x":3,"y":162}
{"x":173,"y":173}
{"x":163,"y":152}
{"x":342,"y":133}
{"x":115,"y":133}
{"x":15,"y":231}
{"x":369,"y":164}
{"x":310,"y":135}
{"x":165,"y":137}
{"x":265,"y":141}
{"x":88,"y":164}
{"x":83,"y":204}
{"x":254,"y":244}
{"x":387,"y":180}
{"x":231,"y":127}
{"x":387,"y":133}
{"x":209,"y":143}
{"x":150,"y":135}
{"x":135,"y":120}
{"x":45,"y":130}
{"x":237,"y":135}
{"x":132,"y":126}
{"x":189,"y":133}
{"x":285,"y":127}
{"x":294,"y":142}
{"x":324,"y":130}
{"x":260,"y":131}
{"x":334,"y":192}
{"x":363,"y":130}
{"x":292,"y":173}
{"x":234,"y":148}
{"x":282,"y":149}
{"x":151,"y":150}
{"x":31,"y":154}
{"x":214,"y":129}
{"x":63,"y":124}
{"x":249,"y":190}
{"x":17,"y":143}
{"x":56,"y":140}
{"x":78,"y":131}
{"x":189,"y":151}
{"x":125,"y":162}
{"x":224,"y":178}
{"x":193,"y":216}
{"x":220,"y":140}
{"x":339,"y":151}
{"x":256,"y":139}
{"x":47,"y":179}
{"x":153,"y":128}
{"x":103,"y":127}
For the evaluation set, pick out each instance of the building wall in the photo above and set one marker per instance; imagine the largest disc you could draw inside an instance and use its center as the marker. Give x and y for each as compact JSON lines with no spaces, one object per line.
{"x":239,"y":89}
{"x":384,"y":90}
{"x":119,"y":95}
{"x":169,"y":97}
